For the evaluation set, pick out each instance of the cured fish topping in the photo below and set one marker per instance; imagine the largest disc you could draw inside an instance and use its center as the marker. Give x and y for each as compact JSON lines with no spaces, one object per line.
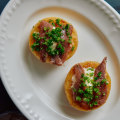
{"x":53,"y":41}
{"x":100,"y":70}
{"x":89,"y":87}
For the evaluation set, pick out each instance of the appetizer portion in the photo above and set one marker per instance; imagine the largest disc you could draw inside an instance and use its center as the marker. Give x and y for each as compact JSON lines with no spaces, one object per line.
{"x":87,"y":85}
{"x":53,"y":40}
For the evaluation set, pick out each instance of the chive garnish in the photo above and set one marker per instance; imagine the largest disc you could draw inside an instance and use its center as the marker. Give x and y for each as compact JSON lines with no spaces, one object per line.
{"x":78,"y":98}
{"x":99,"y":74}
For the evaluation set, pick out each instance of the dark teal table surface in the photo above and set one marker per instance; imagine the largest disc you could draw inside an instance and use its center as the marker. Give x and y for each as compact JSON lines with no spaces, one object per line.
{"x":114,"y":3}
{"x":8,"y":110}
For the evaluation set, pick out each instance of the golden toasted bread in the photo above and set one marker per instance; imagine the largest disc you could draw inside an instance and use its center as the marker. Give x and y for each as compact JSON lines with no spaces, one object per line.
{"x":36,"y":29}
{"x":68,"y":83}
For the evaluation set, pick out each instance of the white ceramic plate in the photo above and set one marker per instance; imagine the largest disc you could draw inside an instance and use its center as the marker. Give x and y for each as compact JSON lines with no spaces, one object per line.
{"x":37,"y":88}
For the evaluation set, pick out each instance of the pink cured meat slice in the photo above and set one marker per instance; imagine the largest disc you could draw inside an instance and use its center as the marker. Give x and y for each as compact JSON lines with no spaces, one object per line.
{"x":42,"y":25}
{"x":43,"y":55}
{"x":101,"y":68}
{"x":103,"y":88}
{"x":78,"y":71}
{"x":58,"y":59}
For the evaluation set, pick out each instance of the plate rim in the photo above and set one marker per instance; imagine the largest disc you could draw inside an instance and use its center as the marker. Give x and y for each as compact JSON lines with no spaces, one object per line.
{"x":16,"y":102}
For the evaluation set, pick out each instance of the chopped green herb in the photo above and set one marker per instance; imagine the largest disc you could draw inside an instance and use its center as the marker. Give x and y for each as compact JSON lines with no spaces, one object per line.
{"x":81,"y":79}
{"x":59,"y":45}
{"x":91,"y":74}
{"x":88,"y":80}
{"x":96,"y":90}
{"x":67,"y":26}
{"x":45,"y":43}
{"x":80,"y":91}
{"x":67,"y":30}
{"x":61,"y":48}
{"x":85,"y":77}
{"x":87,"y":74}
{"x":82,"y":75}
{"x":69,"y":41}
{"x":34,"y":46}
{"x":96,"y":97}
{"x":103,"y":94}
{"x":70,"y":37}
{"x":78,"y":98}
{"x":107,"y":83}
{"x":95,"y":78}
{"x":86,"y":100}
{"x":50,"y":20}
{"x":99,"y":93}
{"x":51,"y":37}
{"x":96,"y":84}
{"x":58,"y":22}
{"x":41,"y":37}
{"x":58,"y":29}
{"x":92,"y":69}
{"x":68,"y":33}
{"x":103,"y":81}
{"x":62,"y":40}
{"x":37,"y":49}
{"x":72,"y":48}
{"x":83,"y":85}
{"x":99,"y":74}
{"x":74,"y":90}
{"x":36,"y":35}
{"x":41,"y":48}
{"x":44,"y":38}
{"x":63,"y":27}
{"x":89,"y":90}
{"x":95,"y":103}
{"x":45,"y":28}
{"x":86,"y":95}
{"x":38,"y":39}
{"x":53,"y":24}
{"x":91,"y":105}
{"x":54,"y":37}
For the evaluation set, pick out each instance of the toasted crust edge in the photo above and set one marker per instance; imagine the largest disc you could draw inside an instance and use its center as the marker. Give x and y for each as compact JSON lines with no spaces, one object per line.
{"x":35,"y":29}
{"x":68,"y":83}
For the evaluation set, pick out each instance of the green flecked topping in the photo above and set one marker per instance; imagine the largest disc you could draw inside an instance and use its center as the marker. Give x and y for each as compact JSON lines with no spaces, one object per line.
{"x":58,"y":22}
{"x":92,"y":69}
{"x":96,"y":97}
{"x":91,"y":74}
{"x":78,"y":98}
{"x":103,"y":81}
{"x":96,"y":90}
{"x":53,"y":24}
{"x":74,"y":90}
{"x":50,"y":21}
{"x":80,"y":91}
{"x":86,"y":100}
{"x":90,"y":93}
{"x":99,"y":74}
{"x":95,"y":78}
{"x":52,"y":42}
{"x":91,"y":105}
{"x":103,"y":94}
{"x":95,"y":103}
{"x":72,"y":49}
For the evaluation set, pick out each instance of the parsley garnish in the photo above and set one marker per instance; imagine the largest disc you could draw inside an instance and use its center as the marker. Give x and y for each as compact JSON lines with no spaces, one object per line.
{"x":72,"y":48}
